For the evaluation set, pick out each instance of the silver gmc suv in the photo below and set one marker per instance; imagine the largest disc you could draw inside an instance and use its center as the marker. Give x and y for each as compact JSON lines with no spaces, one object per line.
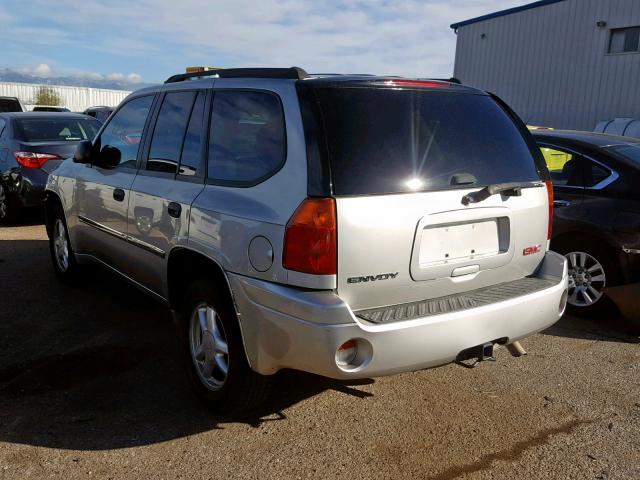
{"x":345,"y":225}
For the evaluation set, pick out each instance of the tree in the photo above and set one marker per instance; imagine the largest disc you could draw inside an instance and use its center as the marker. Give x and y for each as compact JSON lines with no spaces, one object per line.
{"x":48,"y":96}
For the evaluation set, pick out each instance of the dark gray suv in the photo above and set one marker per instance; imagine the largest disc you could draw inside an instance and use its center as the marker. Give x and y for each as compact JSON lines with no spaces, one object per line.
{"x":349,"y":226}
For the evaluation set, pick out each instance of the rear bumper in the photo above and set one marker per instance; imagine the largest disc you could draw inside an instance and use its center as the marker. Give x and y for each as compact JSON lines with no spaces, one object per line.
{"x":630,"y":261}
{"x":283,"y":327}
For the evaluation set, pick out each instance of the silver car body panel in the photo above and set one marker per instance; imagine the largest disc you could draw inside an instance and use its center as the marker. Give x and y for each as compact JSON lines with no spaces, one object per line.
{"x":96,"y":205}
{"x":224,"y":220}
{"x":381,"y":235}
{"x":149,"y":223}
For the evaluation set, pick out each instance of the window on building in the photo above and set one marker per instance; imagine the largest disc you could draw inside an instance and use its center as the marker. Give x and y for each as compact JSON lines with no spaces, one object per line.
{"x":625,"y":40}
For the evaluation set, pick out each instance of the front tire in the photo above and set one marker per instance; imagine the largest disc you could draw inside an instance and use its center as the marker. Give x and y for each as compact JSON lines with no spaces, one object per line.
{"x":64,"y":263}
{"x":7,"y":210}
{"x":214,"y":353}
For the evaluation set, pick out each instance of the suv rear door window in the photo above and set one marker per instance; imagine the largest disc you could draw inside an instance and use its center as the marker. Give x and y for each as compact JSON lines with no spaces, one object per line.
{"x":169,"y":132}
{"x":382,"y":140}
{"x":247,"y":137}
{"x":191,"y":157}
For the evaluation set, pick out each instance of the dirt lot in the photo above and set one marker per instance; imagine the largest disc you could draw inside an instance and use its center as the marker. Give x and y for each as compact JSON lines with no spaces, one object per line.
{"x":90,"y":386}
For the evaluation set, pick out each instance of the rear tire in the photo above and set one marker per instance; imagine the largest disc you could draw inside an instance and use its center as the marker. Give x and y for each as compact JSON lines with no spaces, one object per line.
{"x":214,"y":353}
{"x":8,"y":212}
{"x":592,"y":268}
{"x":62,"y":257}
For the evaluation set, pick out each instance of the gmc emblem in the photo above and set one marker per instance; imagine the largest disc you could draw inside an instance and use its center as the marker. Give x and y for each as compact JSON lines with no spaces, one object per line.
{"x":531,"y":250}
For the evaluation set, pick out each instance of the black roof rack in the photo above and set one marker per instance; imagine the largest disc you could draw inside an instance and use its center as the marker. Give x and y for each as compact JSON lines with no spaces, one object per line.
{"x":295,"y":73}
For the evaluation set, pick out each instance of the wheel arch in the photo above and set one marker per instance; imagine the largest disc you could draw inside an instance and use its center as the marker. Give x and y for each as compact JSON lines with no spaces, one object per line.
{"x":51,"y":201}
{"x":181,"y":263}
{"x":581,"y":237}
{"x":597,"y":240}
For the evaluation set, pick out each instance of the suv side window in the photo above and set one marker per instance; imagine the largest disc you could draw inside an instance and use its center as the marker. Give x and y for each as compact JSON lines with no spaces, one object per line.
{"x":3,"y":126}
{"x":121,"y":137}
{"x":247,"y":137}
{"x":564,"y":167}
{"x":191,"y":157}
{"x":169,"y":132}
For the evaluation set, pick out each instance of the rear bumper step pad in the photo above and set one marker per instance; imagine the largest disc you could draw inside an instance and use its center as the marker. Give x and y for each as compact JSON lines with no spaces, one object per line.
{"x":457,"y":302}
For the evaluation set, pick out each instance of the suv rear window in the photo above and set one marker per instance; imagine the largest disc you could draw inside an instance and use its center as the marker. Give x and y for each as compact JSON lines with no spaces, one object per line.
{"x":393,"y":140}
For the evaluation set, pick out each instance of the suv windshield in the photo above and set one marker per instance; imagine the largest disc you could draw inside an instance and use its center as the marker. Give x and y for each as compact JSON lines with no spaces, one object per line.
{"x":56,"y":129}
{"x":394,"y":140}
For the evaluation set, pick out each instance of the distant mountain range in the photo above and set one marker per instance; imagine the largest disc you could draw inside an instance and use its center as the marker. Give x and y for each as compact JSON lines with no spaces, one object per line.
{"x":8,"y":75}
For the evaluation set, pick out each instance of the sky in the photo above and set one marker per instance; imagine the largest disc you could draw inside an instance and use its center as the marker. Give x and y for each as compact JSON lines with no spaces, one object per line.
{"x":149,"y":40}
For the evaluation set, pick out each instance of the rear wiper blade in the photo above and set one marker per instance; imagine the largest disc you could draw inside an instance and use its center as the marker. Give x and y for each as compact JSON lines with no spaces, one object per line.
{"x":507,"y":189}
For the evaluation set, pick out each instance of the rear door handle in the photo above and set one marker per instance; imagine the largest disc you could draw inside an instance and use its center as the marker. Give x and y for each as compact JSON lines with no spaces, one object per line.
{"x":118,"y":194}
{"x":174,"y":209}
{"x":561,"y":203}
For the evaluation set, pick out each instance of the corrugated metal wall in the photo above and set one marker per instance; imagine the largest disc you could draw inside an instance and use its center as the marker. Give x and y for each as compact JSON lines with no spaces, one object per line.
{"x":551,"y":63}
{"x":74,"y":98}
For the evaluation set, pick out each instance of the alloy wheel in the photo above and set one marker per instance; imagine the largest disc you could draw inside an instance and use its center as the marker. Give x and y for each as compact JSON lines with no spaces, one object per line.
{"x":209,"y":349}
{"x":61,"y":245}
{"x":587,"y":279}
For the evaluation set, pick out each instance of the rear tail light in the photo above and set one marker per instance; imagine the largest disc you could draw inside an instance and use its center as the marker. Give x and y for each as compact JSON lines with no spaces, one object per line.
{"x":310,"y":241}
{"x":550,"y":197}
{"x":34,"y":160}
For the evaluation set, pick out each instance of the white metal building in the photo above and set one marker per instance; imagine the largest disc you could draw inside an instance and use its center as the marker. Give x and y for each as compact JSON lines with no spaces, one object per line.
{"x":75,"y":99}
{"x":558,"y":63}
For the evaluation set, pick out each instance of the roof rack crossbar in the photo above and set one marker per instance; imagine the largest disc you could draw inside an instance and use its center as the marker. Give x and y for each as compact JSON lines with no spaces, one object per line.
{"x":295,"y":73}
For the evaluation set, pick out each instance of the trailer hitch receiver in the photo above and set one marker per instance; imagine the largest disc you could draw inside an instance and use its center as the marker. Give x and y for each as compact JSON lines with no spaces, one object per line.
{"x":471,"y":357}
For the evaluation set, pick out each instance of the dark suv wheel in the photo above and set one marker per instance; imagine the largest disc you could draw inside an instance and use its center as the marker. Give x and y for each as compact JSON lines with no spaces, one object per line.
{"x":214,"y":353}
{"x":591,"y":270}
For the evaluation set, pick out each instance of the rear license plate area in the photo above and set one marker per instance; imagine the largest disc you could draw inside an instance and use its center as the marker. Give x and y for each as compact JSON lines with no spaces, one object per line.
{"x":442,"y":244}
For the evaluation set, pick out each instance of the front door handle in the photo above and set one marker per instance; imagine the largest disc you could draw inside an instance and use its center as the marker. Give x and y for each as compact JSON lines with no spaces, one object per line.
{"x":118,"y":194}
{"x":174,"y":209}
{"x":561,"y":203}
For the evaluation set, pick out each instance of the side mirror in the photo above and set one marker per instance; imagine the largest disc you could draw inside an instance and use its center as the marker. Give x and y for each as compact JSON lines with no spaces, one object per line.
{"x":84,"y":152}
{"x":109,"y":157}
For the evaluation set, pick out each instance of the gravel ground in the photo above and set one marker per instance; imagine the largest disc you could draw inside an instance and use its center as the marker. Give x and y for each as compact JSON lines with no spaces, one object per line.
{"x":91,"y":387}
